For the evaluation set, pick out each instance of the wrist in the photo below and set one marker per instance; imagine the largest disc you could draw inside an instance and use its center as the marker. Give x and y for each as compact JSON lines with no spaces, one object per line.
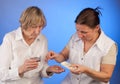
{"x":49,"y":73}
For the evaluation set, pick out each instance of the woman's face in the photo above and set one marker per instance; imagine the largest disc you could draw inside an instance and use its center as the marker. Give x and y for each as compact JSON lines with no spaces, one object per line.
{"x":86,"y":33}
{"x":32,"y":32}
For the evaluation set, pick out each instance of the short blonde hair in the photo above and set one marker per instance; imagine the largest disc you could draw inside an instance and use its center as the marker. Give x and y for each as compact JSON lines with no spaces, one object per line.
{"x":32,"y":16}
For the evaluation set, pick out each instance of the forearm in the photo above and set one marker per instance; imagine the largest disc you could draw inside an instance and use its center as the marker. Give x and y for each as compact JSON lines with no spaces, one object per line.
{"x":98,"y":75}
{"x":60,"y":58}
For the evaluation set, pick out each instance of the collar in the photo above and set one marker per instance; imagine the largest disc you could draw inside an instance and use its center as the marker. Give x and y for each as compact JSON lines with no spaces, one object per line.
{"x":77,"y":38}
{"x":18,"y":35}
{"x":100,"y":41}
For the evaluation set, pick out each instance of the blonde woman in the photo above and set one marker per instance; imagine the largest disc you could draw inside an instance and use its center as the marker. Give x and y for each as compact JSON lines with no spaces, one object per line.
{"x":23,"y":51}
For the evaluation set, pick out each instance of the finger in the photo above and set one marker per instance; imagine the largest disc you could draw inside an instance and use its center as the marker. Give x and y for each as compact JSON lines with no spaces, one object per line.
{"x":31,"y":60}
{"x":30,"y":68}
{"x":49,"y":56}
{"x":59,"y":69}
{"x":31,"y":63}
{"x":52,"y":54}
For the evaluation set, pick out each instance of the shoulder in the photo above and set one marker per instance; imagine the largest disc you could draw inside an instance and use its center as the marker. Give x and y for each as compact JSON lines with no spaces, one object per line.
{"x":104,"y":42}
{"x":106,"y":38}
{"x":75,"y":37}
{"x":10,"y":35}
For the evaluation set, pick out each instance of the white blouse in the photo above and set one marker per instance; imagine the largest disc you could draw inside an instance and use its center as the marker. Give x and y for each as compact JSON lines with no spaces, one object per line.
{"x":92,"y":59}
{"x":14,"y":51}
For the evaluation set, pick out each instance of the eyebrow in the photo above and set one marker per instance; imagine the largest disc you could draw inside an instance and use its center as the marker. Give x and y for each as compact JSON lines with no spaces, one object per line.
{"x":83,"y":31}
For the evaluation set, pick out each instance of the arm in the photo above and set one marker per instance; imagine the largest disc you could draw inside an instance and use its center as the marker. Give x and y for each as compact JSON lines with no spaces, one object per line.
{"x":6,"y":73}
{"x":106,"y":67}
{"x":62,"y":55}
{"x":105,"y":73}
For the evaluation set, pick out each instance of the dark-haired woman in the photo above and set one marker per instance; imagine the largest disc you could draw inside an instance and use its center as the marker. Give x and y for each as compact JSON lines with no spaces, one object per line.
{"x":91,"y":53}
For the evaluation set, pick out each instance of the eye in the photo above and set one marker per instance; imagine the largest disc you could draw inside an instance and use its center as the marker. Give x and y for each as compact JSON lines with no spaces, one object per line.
{"x":83,"y":32}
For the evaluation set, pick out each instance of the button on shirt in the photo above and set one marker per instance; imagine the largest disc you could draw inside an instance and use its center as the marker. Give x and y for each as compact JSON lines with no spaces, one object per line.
{"x":14,"y":51}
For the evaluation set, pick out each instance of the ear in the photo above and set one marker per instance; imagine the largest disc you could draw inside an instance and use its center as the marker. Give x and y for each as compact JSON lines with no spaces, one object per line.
{"x":97,"y":28}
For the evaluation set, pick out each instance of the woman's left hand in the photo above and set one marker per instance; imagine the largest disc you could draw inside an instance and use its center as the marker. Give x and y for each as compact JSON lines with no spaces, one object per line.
{"x":55,"y":69}
{"x":78,"y":69}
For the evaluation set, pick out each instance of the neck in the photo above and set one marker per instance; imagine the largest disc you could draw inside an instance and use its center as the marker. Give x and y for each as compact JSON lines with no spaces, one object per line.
{"x":92,"y":41}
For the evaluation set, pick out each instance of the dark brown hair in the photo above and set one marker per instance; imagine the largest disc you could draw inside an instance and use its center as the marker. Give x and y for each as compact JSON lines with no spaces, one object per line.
{"x":89,"y":17}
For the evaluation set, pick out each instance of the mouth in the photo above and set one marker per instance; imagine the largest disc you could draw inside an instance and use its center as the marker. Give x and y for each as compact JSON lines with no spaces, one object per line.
{"x":34,"y":35}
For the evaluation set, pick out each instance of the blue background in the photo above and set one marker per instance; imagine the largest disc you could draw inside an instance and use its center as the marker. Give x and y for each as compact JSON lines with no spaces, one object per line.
{"x":60,"y":15}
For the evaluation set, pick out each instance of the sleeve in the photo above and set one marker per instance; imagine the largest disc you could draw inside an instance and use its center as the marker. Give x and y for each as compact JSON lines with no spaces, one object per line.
{"x":44,"y":73}
{"x":45,"y":65}
{"x":110,"y":57}
{"x":6,"y":73}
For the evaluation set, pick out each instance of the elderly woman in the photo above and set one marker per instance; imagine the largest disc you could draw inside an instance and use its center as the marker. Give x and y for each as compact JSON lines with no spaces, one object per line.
{"x":23,"y":51}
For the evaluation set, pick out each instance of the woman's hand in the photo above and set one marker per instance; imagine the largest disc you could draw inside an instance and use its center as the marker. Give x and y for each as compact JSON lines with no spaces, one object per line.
{"x":55,"y":69}
{"x":28,"y":65}
{"x":51,"y":55}
{"x":78,"y":69}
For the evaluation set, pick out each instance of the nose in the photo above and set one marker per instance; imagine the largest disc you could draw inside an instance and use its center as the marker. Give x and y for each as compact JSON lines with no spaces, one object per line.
{"x":80,"y":35}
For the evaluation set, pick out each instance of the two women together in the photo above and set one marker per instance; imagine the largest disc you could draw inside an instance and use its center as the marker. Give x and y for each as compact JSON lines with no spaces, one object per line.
{"x":24,"y":51}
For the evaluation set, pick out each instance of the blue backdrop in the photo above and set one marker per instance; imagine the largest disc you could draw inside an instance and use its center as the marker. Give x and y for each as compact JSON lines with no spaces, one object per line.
{"x":60,"y":15}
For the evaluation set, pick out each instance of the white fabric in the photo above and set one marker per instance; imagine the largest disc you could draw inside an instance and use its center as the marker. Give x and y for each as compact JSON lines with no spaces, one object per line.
{"x":91,"y":59}
{"x":14,"y":51}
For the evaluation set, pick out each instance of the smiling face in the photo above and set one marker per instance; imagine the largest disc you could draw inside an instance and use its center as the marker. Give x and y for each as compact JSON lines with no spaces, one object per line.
{"x":86,"y":33}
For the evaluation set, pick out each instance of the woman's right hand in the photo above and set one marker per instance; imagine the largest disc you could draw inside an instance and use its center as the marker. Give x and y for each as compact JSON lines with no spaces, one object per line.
{"x":51,"y":55}
{"x":28,"y":65}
